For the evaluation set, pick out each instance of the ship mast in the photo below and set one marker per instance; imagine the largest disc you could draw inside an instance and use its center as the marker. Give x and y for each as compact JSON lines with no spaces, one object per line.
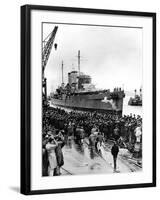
{"x":62,"y":73}
{"x":79,"y":58}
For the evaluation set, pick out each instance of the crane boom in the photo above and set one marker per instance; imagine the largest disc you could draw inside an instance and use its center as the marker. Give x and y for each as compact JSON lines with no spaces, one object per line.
{"x":47,"y":48}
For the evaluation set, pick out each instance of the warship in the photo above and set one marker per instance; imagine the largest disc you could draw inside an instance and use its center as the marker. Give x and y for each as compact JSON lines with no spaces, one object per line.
{"x":80,"y":94}
{"x":136,"y":100}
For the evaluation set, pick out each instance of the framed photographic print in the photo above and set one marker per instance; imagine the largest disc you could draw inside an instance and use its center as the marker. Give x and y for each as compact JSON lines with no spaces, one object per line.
{"x":88,"y":99}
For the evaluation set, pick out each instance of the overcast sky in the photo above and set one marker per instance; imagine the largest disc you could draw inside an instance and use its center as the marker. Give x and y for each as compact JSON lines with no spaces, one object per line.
{"x":112,"y":56}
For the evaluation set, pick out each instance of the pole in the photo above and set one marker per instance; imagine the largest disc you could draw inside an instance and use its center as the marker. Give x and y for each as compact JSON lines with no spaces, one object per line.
{"x":79,"y":61}
{"x":62,"y":73}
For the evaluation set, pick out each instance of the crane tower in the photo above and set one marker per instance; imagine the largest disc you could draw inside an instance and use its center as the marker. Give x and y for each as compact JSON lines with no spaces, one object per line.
{"x":46,"y":50}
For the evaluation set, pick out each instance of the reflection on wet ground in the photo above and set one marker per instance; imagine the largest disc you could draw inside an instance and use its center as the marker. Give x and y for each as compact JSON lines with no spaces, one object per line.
{"x":83,"y":159}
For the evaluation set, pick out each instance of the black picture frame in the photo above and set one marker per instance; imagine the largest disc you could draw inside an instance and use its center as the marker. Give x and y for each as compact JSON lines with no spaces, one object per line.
{"x":26,"y":98}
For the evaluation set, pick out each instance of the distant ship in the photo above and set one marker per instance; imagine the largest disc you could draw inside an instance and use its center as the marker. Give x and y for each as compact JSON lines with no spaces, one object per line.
{"x":136,"y":100}
{"x":80,"y":94}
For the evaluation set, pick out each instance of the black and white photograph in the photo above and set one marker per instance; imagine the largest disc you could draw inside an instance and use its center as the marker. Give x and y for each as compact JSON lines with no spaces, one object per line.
{"x":88,"y":99}
{"x":92,"y":99}
{"x":79,"y":100}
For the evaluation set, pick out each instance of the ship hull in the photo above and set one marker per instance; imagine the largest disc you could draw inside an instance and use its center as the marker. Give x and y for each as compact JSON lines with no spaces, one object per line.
{"x":89,"y":104}
{"x":88,"y":109}
{"x":133,"y":102}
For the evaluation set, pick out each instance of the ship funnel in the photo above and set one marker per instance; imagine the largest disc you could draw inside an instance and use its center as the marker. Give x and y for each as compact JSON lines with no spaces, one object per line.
{"x":140,"y":93}
{"x":135,"y":92}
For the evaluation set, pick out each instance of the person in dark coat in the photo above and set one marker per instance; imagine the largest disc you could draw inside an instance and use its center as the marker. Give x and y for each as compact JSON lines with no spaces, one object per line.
{"x":79,"y":134}
{"x":114,"y":151}
{"x":116,"y":135}
{"x":59,"y":153}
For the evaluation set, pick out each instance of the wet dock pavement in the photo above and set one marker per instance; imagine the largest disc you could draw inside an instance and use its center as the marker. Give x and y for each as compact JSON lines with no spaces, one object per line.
{"x":82,"y":159}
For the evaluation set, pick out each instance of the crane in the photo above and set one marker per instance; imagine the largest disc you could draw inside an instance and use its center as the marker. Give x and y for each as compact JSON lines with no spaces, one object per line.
{"x":46,"y":50}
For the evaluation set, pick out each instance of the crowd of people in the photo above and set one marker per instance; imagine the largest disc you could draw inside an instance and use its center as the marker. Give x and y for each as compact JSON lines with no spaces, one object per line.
{"x":59,"y":125}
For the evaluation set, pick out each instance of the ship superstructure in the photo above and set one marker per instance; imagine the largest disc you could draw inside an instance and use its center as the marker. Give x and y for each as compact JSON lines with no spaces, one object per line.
{"x":80,"y":94}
